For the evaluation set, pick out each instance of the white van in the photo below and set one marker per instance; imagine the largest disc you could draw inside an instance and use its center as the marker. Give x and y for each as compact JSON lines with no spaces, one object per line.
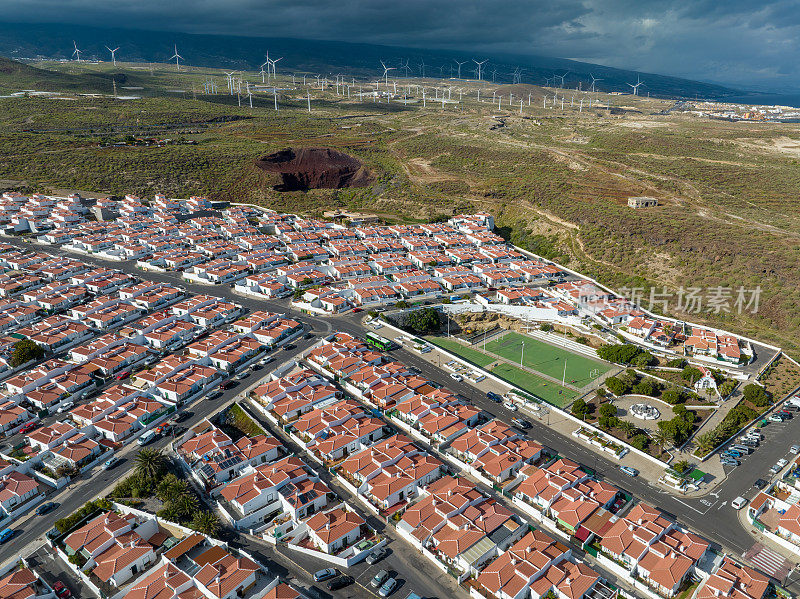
{"x":738,"y":503}
{"x":146,"y":437}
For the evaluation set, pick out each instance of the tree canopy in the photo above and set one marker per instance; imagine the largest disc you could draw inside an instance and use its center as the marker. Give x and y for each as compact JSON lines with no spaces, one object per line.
{"x":24,"y":351}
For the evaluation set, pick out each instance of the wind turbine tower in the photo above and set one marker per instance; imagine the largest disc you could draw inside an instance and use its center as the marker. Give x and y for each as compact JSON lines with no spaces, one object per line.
{"x":636,"y":86}
{"x":459,"y":66}
{"x":76,"y":53}
{"x":594,"y":80}
{"x":113,"y":54}
{"x":386,"y":74}
{"x":177,"y":58}
{"x":480,"y":67}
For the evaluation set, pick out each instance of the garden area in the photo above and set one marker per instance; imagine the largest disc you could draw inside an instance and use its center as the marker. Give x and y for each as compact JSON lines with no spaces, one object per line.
{"x":236,"y":423}
{"x":673,"y":430}
{"x":781,"y":377}
{"x":157,"y":485}
{"x":755,"y":401}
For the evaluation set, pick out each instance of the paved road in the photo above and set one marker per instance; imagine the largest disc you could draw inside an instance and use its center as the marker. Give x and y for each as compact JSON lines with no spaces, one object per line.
{"x":710,"y":516}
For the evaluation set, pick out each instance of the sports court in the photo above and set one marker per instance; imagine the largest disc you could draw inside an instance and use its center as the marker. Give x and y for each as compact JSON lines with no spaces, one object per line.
{"x":548,"y":359}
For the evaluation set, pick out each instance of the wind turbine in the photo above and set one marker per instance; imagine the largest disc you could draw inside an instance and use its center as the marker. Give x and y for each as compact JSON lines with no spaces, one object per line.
{"x":76,"y":53}
{"x":562,"y":78}
{"x":422,"y":68}
{"x":480,"y":67}
{"x":405,"y":67}
{"x":386,"y":73}
{"x":274,"y":62}
{"x":262,"y":72}
{"x":230,"y":81}
{"x":113,"y":54}
{"x":459,"y":66}
{"x":494,"y":75}
{"x":594,"y":80}
{"x":177,"y":58}
{"x":636,"y":87}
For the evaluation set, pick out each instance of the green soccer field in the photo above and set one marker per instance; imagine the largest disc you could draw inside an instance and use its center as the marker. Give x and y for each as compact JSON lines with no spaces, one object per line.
{"x":548,"y":359}
{"x":550,"y":392}
{"x":469,"y":354}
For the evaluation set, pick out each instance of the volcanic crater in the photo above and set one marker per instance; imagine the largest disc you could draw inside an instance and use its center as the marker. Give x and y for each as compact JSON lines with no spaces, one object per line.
{"x":301,"y":169}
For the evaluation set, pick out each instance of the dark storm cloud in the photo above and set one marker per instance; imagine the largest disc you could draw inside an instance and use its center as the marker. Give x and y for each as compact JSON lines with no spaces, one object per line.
{"x":734,"y":41}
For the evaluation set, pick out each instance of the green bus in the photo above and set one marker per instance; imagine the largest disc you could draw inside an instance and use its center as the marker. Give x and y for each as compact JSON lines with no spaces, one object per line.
{"x":378,"y":342}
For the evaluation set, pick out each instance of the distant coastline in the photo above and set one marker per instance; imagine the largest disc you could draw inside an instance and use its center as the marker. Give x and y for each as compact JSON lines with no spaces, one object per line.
{"x":765,"y":99}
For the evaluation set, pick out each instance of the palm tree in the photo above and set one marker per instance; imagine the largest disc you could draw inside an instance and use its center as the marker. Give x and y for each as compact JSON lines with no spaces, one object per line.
{"x":185,"y":505}
{"x":171,"y":488}
{"x":629,"y":428}
{"x":205,"y":523}
{"x":707,"y":441}
{"x":660,"y":436}
{"x":150,"y":463}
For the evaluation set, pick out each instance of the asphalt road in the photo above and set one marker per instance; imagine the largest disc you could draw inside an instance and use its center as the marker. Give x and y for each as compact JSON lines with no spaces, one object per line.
{"x":710,"y":516}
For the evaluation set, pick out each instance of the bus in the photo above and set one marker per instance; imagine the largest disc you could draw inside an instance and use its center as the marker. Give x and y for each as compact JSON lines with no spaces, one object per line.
{"x":378,"y":342}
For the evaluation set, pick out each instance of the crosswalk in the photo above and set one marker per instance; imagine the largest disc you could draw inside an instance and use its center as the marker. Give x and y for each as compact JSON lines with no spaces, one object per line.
{"x":768,"y":561}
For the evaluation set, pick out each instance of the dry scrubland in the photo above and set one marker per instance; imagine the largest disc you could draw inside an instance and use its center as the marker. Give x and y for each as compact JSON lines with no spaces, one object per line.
{"x":557,"y":181}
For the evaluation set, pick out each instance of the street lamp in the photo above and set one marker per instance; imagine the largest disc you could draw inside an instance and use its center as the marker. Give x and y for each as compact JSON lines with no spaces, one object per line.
{"x":522,"y":353}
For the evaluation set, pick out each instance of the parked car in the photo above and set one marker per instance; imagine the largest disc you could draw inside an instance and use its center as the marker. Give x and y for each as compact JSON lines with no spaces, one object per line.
{"x":782,"y":463}
{"x":738,"y":503}
{"x":775,"y":469}
{"x":6,"y":534}
{"x":387,"y":588}
{"x":775,"y":418}
{"x":289,"y":347}
{"x":325,"y":574}
{"x":123,"y":375}
{"x":267,"y":360}
{"x":357,"y":310}
{"x":759,"y":483}
{"x":146,"y":437}
{"x":794,"y":449}
{"x":339,"y":582}
{"x":62,"y":592}
{"x":309,"y":335}
{"x":376,"y":556}
{"x":629,"y":471}
{"x":510,"y":405}
{"x":227,"y":384}
{"x":28,"y":427}
{"x":67,"y":405}
{"x":379,"y":579}
{"x":45,"y":507}
{"x":520,"y":423}
{"x":216,"y":395}
{"x":242,"y":375}
{"x":110,"y":463}
{"x":456,"y":377}
{"x":494,"y":397}
{"x":729,"y":462}
{"x":180,"y":417}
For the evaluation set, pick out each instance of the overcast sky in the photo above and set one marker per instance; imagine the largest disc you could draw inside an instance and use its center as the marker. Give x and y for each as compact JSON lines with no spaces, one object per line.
{"x":729,"y":41}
